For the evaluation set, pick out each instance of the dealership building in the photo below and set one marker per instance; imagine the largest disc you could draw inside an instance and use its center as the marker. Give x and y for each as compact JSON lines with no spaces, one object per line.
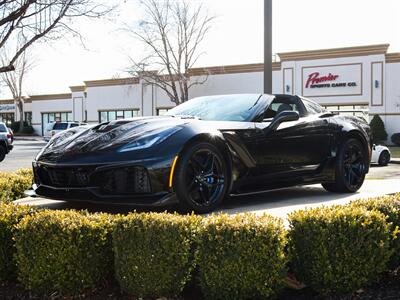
{"x":365,"y":78}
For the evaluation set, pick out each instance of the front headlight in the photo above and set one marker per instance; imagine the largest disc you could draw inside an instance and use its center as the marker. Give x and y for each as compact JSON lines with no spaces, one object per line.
{"x":150,"y":139}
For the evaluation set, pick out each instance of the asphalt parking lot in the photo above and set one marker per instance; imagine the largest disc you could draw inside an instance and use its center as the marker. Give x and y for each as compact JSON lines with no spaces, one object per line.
{"x":380,"y":181}
{"x":22,"y":155}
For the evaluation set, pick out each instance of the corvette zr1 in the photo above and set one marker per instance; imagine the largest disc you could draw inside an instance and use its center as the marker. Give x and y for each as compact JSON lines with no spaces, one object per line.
{"x":204,"y":150}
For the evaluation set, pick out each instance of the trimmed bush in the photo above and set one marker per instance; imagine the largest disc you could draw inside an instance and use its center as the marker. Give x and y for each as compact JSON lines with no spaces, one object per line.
{"x":63,"y":251}
{"x":28,"y":130}
{"x":390,"y":207}
{"x":338,"y":249}
{"x":379,"y":134}
{"x":13,"y":185}
{"x":153,"y":253}
{"x":396,"y":139}
{"x":15,"y":126}
{"x":241,"y":257}
{"x":10,"y":215}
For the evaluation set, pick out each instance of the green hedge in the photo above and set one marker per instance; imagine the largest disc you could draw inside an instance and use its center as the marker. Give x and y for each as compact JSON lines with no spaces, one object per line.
{"x":10,"y":215}
{"x":390,"y":207}
{"x":332,"y":250}
{"x":63,"y":251}
{"x":13,"y":185}
{"x":153,"y":253}
{"x":338,"y":249}
{"x":241,"y":257}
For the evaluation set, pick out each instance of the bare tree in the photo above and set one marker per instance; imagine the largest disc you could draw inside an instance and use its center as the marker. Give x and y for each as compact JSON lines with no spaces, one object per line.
{"x":172,"y":32}
{"x":14,"y":81}
{"x":23,"y":22}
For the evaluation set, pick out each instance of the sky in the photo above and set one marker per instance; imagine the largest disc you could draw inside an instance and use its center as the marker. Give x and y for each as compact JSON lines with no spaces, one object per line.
{"x":236,"y":37}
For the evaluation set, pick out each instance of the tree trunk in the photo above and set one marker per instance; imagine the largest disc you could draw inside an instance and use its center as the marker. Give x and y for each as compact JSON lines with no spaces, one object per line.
{"x":20,"y":106}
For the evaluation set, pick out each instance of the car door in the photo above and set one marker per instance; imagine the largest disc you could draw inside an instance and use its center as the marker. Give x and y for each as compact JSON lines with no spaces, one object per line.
{"x":295,"y":148}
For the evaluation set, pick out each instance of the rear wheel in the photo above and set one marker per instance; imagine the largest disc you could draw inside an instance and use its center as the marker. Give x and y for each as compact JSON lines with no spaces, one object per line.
{"x":201,"y":178}
{"x":384,"y":158}
{"x":351,"y":166}
{"x":3,"y":153}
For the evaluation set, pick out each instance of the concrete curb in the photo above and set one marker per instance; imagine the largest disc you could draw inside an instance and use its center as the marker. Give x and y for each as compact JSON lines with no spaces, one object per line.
{"x":395,"y":161}
{"x":28,"y":138}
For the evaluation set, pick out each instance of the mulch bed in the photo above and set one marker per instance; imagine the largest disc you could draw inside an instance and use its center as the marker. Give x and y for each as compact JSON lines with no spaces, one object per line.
{"x":388,"y":288}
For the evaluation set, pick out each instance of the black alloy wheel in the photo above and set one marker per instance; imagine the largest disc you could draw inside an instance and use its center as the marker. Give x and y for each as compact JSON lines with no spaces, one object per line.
{"x":201,"y":178}
{"x":351,"y":166}
{"x":3,"y":153}
{"x":384,"y":158}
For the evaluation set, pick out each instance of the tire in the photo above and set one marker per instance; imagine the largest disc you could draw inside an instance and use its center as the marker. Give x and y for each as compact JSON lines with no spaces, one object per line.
{"x":201,"y":178}
{"x":384,"y":158}
{"x":350,"y":168}
{"x":3,"y":153}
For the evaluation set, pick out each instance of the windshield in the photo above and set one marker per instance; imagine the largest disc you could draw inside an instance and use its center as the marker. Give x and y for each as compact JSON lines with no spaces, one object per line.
{"x":221,"y":108}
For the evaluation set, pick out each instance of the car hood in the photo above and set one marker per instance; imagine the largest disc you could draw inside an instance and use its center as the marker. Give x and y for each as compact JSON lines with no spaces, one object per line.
{"x":115,"y":134}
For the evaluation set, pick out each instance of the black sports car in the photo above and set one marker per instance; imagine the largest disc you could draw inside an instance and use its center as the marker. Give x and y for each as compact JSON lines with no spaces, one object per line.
{"x":204,"y":150}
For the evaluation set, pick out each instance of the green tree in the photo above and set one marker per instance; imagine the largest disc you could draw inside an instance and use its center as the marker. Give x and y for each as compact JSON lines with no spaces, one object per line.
{"x":379,"y":133}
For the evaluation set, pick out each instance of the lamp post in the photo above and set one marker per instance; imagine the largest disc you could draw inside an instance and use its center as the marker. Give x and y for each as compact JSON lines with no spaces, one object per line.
{"x":268,"y":46}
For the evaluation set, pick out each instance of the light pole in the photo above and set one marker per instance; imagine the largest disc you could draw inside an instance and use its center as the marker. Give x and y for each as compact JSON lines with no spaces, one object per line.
{"x":268,"y":46}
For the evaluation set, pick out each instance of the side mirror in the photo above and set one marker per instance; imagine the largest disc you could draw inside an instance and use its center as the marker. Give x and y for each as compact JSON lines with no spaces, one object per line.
{"x":284,"y":116}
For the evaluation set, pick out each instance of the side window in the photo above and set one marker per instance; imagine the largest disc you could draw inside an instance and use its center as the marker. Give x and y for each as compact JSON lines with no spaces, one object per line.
{"x":74,"y":125}
{"x":279,"y":105}
{"x":60,"y":126}
{"x":312,"y":108}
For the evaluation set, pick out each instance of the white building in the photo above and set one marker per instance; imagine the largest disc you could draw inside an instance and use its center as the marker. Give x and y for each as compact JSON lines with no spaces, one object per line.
{"x":353,"y":78}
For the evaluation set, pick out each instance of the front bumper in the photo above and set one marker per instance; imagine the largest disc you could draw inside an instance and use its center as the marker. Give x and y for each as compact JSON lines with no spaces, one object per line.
{"x":138,"y":183}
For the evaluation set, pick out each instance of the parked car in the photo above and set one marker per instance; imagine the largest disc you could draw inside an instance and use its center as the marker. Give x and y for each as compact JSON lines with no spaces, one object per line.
{"x":56,"y":127}
{"x":205,"y":149}
{"x":6,"y":141}
{"x":67,"y":133}
{"x":380,"y":155}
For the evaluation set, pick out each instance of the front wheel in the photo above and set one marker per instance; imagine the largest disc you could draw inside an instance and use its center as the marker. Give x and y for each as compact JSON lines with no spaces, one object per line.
{"x":384,"y":158}
{"x":350,"y":169}
{"x":200,"y":180}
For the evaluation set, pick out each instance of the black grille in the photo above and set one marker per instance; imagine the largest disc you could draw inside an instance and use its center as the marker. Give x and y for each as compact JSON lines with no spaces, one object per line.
{"x":124,"y":181}
{"x":120,"y":181}
{"x":57,"y":177}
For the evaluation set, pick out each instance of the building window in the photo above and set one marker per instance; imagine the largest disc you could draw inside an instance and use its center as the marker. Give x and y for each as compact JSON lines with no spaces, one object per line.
{"x":28,"y":117}
{"x":111,"y":115}
{"x":7,"y":118}
{"x":55,"y":117}
{"x":162,"y":111}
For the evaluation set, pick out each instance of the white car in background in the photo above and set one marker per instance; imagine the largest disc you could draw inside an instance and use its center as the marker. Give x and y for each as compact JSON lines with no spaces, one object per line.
{"x":6,"y":141}
{"x":56,"y":127}
{"x":68,"y":133}
{"x":380,"y":155}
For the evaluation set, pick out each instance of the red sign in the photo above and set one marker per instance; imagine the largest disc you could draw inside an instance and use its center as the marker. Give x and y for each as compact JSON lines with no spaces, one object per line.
{"x":315,"y":78}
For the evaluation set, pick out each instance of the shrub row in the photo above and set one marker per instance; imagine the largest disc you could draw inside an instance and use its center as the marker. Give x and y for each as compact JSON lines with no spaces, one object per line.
{"x":10,"y":216}
{"x":241,"y":257}
{"x":63,"y":251}
{"x":154,"y":253}
{"x":13,"y":185}
{"x":333,"y":250}
{"x":339,"y":249}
